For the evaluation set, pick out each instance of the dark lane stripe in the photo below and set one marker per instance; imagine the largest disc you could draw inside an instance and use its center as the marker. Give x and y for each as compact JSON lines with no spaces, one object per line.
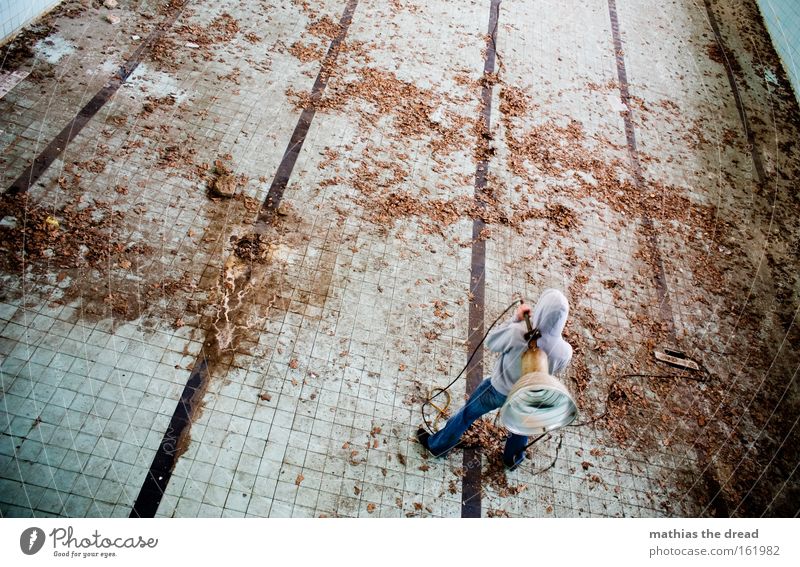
{"x":633,"y":153}
{"x":281,"y":179}
{"x":176,"y":436}
{"x":471,"y":482}
{"x":715,"y":494}
{"x":160,"y":471}
{"x":57,"y":146}
{"x":748,"y":132}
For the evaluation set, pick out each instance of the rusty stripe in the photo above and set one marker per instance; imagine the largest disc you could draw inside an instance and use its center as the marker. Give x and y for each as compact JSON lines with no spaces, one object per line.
{"x":660,"y":278}
{"x":471,"y":482}
{"x":715,"y":494}
{"x":69,"y":132}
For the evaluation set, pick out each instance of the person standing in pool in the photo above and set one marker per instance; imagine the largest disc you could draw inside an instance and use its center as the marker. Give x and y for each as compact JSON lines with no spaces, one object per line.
{"x":549,"y":318}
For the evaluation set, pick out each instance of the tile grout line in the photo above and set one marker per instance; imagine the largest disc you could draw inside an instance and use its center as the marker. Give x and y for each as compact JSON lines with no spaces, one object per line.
{"x":59,"y":144}
{"x":471,"y":482}
{"x":660,"y":278}
{"x":155,"y":483}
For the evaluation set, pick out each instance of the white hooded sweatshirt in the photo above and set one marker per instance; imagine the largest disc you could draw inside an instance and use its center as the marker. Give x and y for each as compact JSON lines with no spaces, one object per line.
{"x":549,"y":316}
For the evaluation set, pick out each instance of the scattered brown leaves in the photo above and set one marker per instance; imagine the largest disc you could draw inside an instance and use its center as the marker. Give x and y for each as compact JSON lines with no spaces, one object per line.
{"x":85,"y":235}
{"x":173,"y":156}
{"x":491,"y":439}
{"x":162,"y":52}
{"x":222,"y":29}
{"x":324,"y":28}
{"x":513,"y":101}
{"x":306,"y":52}
{"x":495,"y":513}
{"x":152,"y":103}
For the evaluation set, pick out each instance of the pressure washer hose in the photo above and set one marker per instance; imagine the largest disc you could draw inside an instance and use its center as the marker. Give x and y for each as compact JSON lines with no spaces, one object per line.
{"x":435,"y":392}
{"x":441,"y":410}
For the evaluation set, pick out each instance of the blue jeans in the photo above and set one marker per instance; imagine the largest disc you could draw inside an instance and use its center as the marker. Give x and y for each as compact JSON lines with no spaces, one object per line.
{"x":483,"y":400}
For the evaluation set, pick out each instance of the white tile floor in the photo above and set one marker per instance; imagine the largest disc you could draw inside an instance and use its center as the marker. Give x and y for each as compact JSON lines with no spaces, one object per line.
{"x":339,"y":329}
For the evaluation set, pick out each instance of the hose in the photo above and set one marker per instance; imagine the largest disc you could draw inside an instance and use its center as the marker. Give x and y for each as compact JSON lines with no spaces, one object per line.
{"x":429,"y":402}
{"x":441,"y":411}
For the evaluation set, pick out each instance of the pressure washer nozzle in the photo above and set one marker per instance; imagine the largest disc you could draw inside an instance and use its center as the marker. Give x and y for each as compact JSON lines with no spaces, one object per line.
{"x":532,"y":333}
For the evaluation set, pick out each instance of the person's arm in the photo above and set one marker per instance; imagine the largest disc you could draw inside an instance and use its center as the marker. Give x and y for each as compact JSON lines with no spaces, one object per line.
{"x":561,"y":362}
{"x":510,"y":334}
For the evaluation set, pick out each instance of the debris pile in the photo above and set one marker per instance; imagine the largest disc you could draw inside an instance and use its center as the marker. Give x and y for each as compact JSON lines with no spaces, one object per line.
{"x":77,"y":234}
{"x":253,"y":248}
{"x":223,"y":183}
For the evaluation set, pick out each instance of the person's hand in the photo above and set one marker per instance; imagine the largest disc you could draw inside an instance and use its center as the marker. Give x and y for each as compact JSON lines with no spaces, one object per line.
{"x":521,"y":310}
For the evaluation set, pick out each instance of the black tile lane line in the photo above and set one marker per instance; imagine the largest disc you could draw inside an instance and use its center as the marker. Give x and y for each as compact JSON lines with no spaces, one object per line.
{"x":176,"y":436}
{"x":748,"y":132}
{"x":281,"y":179}
{"x":57,"y":146}
{"x":471,"y":482}
{"x":660,"y":278}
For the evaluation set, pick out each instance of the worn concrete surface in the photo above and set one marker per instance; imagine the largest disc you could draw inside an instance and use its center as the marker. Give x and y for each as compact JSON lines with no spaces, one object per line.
{"x":320,"y":351}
